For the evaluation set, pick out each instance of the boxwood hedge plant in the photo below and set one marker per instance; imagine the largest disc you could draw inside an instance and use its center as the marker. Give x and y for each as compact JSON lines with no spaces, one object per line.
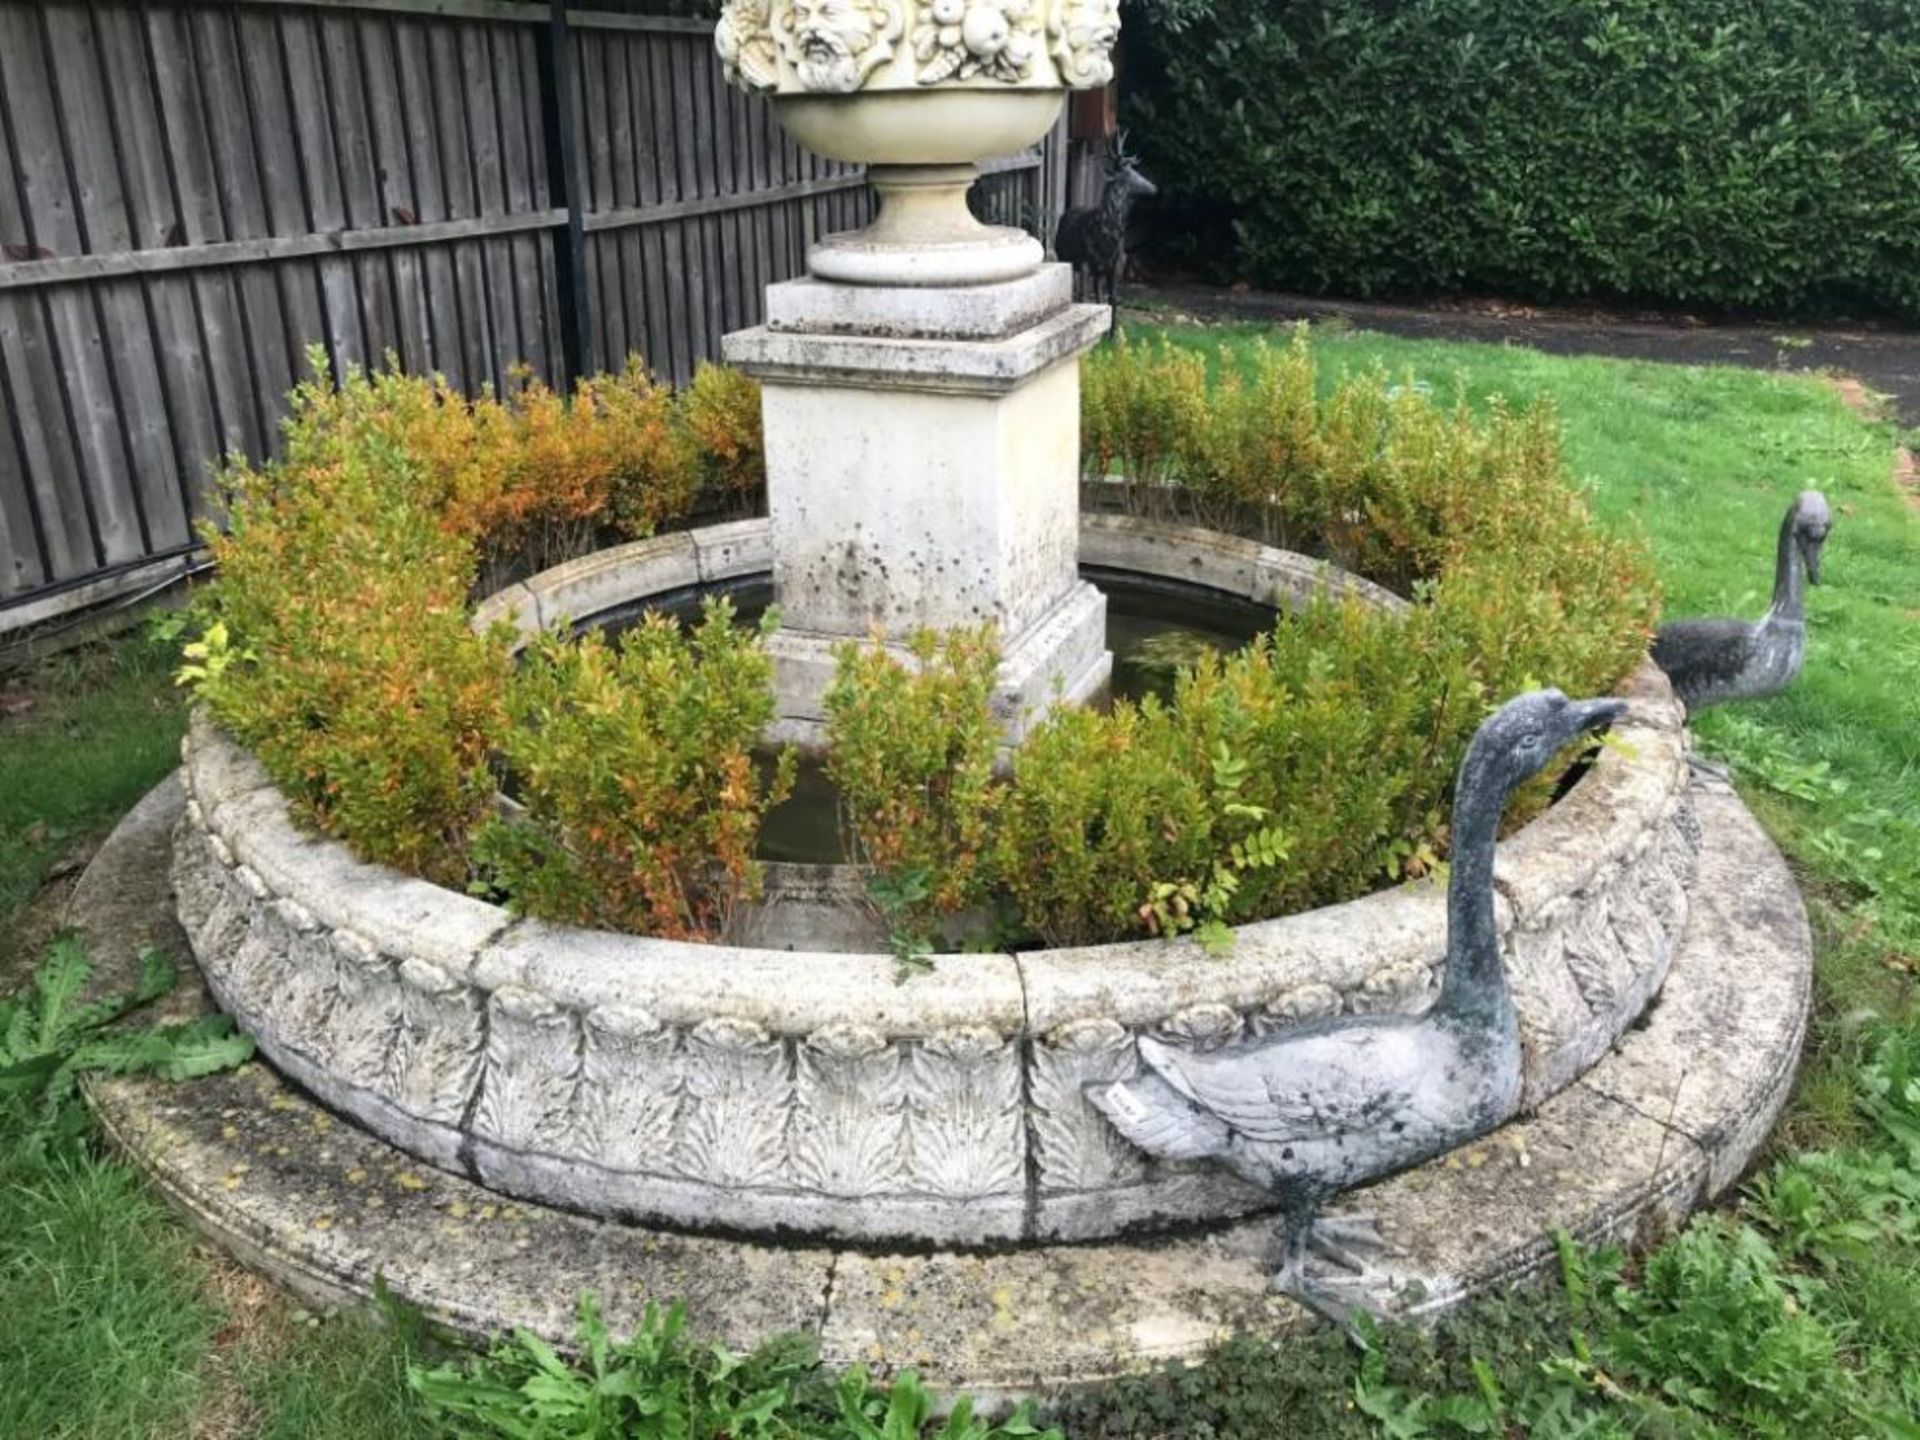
{"x":335,"y":644}
{"x":634,"y":764}
{"x":1310,"y":767}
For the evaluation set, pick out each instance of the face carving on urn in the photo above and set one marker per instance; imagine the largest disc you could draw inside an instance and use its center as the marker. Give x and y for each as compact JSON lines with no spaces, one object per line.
{"x":833,"y":45}
{"x":744,"y":39}
{"x":1083,"y":34}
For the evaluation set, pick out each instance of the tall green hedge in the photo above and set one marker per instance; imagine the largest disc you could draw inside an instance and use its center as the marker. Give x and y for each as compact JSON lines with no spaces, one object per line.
{"x":1716,"y":153}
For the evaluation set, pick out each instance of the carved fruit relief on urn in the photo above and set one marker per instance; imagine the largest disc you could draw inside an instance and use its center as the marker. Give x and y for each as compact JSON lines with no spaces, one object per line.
{"x":838,"y":47}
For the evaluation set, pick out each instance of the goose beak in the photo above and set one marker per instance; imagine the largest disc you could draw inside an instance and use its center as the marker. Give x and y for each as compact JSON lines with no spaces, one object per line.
{"x":1586,"y":716}
{"x":1810,"y":552}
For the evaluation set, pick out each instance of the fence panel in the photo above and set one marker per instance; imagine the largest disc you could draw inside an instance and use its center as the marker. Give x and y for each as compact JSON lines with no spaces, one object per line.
{"x":193,"y":193}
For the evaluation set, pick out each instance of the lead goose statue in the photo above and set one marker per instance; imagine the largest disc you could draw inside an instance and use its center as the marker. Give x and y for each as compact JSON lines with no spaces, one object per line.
{"x":1713,"y":660}
{"x":1310,"y":1112}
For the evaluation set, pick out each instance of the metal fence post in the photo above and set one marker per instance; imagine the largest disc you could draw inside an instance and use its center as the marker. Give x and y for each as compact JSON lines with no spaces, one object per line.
{"x":564,"y":192}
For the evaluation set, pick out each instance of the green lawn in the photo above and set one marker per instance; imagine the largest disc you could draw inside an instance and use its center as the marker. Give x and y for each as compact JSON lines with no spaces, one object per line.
{"x":1796,"y":1313}
{"x":81,"y":739}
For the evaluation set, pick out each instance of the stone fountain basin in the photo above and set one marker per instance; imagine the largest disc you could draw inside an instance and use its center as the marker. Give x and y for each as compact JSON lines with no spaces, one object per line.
{"x":943,"y":126}
{"x":776,"y":1091}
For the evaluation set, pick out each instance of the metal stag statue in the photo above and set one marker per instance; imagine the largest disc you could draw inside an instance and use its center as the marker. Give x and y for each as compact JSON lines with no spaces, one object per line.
{"x":1093,"y":238}
{"x":1310,"y":1112}
{"x":1711,"y":661}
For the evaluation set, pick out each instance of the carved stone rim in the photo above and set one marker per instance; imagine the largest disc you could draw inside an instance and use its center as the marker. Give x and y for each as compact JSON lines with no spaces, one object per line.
{"x":1592,"y":898}
{"x":1597,"y":824}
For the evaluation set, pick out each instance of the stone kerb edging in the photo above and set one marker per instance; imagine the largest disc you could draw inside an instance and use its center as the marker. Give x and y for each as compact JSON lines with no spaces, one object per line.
{"x":713,"y":1085}
{"x":612,"y":578}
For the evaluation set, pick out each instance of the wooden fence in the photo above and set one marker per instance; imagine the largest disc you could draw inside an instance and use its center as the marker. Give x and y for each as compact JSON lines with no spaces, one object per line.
{"x":192,"y":193}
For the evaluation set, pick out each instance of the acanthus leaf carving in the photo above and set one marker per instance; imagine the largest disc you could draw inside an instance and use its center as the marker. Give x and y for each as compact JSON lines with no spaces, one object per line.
{"x":739,"y":1090}
{"x":1400,"y":988}
{"x":291,"y":978}
{"x":366,"y":1011}
{"x":532,"y":1064}
{"x":1078,"y":1148}
{"x":630,"y":1089}
{"x":1599,"y":964}
{"x":1301,"y":1005}
{"x":964,"y":1121}
{"x":1201,"y":1027}
{"x":435,"y":1061}
{"x":849,"y":1126}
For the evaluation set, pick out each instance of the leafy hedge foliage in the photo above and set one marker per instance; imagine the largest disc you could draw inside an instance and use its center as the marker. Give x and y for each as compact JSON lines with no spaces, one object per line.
{"x":1719,"y":153}
{"x":635,"y":765}
{"x":1317,"y":762}
{"x":1303,"y":770}
{"x":911,"y":754}
{"x":335,"y":644}
{"x":337,"y":647}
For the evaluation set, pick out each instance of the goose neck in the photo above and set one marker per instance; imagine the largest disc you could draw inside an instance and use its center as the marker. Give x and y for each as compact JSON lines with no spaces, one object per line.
{"x":1475,"y":984}
{"x":1789,"y":578}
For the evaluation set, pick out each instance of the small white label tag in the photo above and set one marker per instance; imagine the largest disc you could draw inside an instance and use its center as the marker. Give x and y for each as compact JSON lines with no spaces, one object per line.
{"x":1123,"y":1104}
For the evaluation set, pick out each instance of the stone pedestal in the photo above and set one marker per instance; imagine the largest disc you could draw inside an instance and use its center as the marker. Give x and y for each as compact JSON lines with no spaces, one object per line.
{"x":923,"y":456}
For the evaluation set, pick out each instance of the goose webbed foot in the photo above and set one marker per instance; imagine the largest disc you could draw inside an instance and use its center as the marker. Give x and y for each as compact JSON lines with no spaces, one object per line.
{"x":1347,"y":1285}
{"x":1352,"y":1242}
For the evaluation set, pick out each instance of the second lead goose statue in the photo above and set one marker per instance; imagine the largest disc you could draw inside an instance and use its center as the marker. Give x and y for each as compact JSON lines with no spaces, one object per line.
{"x":1711,"y":661}
{"x":1310,"y":1112}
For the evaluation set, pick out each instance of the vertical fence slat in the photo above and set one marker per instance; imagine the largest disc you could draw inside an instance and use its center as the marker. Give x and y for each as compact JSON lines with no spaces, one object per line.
{"x":131,"y":127}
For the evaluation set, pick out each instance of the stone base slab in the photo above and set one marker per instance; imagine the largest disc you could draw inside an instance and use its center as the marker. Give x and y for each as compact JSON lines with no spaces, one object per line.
{"x":1060,"y":658}
{"x":1658,"y":1127}
{"x":808,"y":306}
{"x":943,"y":366}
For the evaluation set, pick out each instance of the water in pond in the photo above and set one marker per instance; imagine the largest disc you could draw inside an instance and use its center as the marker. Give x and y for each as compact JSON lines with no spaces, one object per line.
{"x":1153,"y":627}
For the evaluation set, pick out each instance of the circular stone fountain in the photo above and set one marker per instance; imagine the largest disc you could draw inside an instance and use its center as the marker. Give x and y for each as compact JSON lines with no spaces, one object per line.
{"x":790,"y":1111}
{"x":802,"y":1091}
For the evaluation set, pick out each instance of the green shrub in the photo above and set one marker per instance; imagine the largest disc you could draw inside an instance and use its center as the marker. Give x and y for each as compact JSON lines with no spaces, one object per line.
{"x":1373,"y":475}
{"x":1101,"y":808}
{"x":911,"y":751}
{"x":335,"y":642}
{"x":336,"y":647}
{"x":1346,"y":724}
{"x":1142,"y":420}
{"x":1307,"y":769}
{"x":721,"y":413}
{"x":1720,"y":153}
{"x":634,"y":762}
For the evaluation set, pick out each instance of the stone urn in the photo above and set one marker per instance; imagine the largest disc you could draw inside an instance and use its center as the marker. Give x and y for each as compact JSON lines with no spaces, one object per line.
{"x":920,"y":91}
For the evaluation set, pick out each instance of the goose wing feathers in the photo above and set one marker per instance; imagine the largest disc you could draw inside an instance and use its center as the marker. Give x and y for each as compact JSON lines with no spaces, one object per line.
{"x":1161,"y":1120}
{"x":1305,"y":1087}
{"x":1703,"y":651}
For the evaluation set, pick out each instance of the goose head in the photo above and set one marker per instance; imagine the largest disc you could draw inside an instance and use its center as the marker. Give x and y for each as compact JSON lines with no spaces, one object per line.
{"x":1811,"y":519}
{"x":1518,"y":740}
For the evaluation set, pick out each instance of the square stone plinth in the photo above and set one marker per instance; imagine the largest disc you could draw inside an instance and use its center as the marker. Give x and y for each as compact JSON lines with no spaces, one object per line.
{"x":929,"y":484}
{"x":1060,"y":659}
